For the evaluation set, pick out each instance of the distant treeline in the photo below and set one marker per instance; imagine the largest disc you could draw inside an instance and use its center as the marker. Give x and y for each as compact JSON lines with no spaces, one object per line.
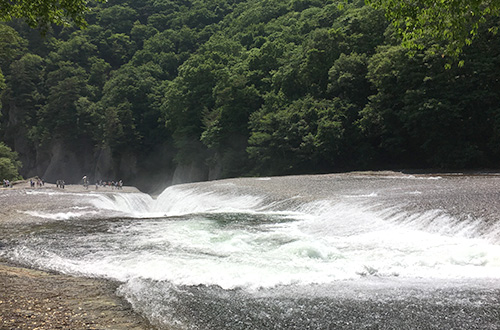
{"x":256,"y":87}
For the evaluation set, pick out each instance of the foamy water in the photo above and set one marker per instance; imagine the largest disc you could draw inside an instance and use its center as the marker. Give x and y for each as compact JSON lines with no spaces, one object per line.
{"x":193,"y":238}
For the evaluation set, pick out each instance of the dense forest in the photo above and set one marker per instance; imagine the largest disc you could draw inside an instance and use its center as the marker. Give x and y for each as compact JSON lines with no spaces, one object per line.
{"x":166,"y":91}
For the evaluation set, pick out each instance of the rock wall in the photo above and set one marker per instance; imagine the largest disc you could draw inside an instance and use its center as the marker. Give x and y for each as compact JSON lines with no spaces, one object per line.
{"x":62,"y":164}
{"x":151,"y":173}
{"x":193,"y":172}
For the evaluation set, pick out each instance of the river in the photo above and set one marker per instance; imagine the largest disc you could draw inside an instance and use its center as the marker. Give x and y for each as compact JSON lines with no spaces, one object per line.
{"x":339,"y":251}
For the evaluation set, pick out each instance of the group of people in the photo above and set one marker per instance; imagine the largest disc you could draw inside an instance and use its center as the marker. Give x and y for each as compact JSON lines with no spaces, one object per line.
{"x":118,"y":185}
{"x":33,"y":182}
{"x":36,"y":182}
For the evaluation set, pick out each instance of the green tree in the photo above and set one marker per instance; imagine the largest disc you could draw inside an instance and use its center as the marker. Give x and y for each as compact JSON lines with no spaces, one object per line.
{"x":226,"y":130}
{"x":295,"y":137}
{"x":9,"y":163}
{"x":42,"y":13}
{"x":119,"y":19}
{"x":58,"y":118}
{"x":11,"y":46}
{"x":347,"y":78}
{"x":128,"y":101}
{"x":191,"y":94}
{"x":78,"y":49}
{"x":423,"y":115}
{"x":454,"y":22}
{"x":24,"y":93}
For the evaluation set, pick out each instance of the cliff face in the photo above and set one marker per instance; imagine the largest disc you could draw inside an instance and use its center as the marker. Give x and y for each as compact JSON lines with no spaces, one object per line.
{"x":57,"y":160}
{"x":62,"y":161}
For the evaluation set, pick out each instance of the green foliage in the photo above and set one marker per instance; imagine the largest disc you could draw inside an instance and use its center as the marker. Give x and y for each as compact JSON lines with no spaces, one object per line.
{"x":58,"y":118}
{"x":118,"y":18}
{"x":25,"y":86}
{"x":295,"y":137}
{"x":456,"y":23}
{"x":42,"y":13}
{"x":9,"y":163}
{"x":11,"y":46}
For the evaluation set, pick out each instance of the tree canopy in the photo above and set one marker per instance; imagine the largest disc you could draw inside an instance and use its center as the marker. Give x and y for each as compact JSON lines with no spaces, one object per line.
{"x":42,"y":13}
{"x":455,"y":23}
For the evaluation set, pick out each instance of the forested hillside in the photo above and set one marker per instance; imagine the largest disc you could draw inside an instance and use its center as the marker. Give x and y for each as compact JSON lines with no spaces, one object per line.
{"x":182,"y":90}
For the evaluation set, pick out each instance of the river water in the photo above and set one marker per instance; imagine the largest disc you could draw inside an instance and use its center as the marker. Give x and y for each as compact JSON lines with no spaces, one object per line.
{"x":346,"y":251}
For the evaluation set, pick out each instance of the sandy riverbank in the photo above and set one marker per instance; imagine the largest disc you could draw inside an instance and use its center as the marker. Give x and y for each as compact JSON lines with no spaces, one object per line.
{"x":32,"y":299}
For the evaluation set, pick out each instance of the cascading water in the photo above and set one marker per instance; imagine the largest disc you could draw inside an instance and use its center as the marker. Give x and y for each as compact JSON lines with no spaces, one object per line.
{"x":279,"y":254}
